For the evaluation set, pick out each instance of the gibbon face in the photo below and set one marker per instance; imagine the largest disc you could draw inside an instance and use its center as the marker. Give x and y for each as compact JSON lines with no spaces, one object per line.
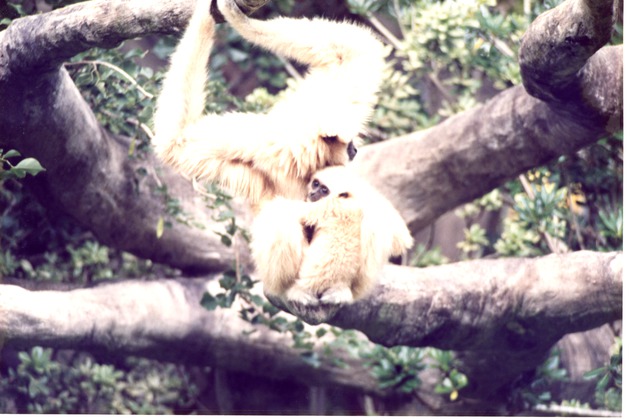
{"x":317,"y":191}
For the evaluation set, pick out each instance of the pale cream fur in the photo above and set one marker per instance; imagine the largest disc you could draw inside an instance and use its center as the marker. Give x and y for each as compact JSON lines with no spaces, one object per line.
{"x":353,"y":239}
{"x":263,"y":156}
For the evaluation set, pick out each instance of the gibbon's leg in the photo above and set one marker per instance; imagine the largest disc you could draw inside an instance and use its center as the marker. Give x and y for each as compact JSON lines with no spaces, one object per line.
{"x":278,"y":243}
{"x":316,"y":42}
{"x":337,"y":295}
{"x":346,"y":64}
{"x":309,"y":292}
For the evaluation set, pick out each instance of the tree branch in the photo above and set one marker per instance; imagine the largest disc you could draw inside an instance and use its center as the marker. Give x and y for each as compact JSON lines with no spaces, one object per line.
{"x":558,"y":45}
{"x":515,"y":309}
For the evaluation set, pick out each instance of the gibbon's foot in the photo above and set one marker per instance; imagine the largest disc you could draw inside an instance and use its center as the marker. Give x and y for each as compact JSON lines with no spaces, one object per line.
{"x":301,"y":296}
{"x":337,"y":296}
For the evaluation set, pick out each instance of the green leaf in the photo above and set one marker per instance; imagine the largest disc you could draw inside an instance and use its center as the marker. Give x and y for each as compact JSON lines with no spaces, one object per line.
{"x":11,"y":153}
{"x":225,"y":240}
{"x":320,"y":332}
{"x":30,"y":166}
{"x":209,"y":302}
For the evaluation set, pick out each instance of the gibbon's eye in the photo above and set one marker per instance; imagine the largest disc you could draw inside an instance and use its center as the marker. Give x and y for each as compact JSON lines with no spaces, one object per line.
{"x":344,"y":195}
{"x":325,"y":190}
{"x":330,"y":139}
{"x":315,"y":183}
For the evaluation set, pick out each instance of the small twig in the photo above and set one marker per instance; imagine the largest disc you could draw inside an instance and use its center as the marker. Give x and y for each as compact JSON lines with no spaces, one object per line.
{"x":576,"y":225}
{"x":368,"y":406}
{"x":501,"y":46}
{"x":199,"y":189}
{"x":384,"y":31}
{"x":147,"y":130}
{"x":527,"y":7}
{"x":438,"y":84}
{"x":117,"y":69}
{"x":237,"y":258}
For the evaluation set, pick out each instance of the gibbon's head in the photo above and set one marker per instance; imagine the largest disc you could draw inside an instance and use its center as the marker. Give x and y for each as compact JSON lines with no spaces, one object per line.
{"x":334,"y":181}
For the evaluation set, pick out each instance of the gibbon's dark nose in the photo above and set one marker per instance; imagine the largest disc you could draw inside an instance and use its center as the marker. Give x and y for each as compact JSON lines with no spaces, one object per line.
{"x":352,"y":151}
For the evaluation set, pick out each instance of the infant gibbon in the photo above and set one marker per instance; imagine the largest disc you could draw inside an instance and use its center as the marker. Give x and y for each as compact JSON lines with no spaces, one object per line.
{"x":261,"y":156}
{"x":354,"y":232}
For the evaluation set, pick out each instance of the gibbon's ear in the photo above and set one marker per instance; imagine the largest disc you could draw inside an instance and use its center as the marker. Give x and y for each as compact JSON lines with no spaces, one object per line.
{"x":344,"y":195}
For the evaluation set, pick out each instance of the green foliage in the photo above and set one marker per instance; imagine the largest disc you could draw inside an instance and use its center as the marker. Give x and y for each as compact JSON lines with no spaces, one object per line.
{"x":453,"y":380}
{"x":46,"y":385}
{"x":474,"y":241}
{"x":396,"y":367}
{"x":538,"y":389}
{"x":119,"y":90}
{"x":259,"y":312}
{"x":424,"y":257}
{"x":609,"y":380}
{"x":27,"y":166}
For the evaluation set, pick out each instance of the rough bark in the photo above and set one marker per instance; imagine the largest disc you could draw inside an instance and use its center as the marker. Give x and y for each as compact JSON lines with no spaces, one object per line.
{"x":510,"y":310}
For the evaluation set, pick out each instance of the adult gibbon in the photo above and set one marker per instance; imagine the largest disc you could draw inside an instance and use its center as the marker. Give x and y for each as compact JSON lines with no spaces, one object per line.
{"x":331,"y":248}
{"x":261,"y":156}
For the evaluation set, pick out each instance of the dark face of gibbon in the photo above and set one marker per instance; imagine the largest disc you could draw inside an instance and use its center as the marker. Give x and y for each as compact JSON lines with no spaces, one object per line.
{"x":350,"y":149}
{"x":319,"y":191}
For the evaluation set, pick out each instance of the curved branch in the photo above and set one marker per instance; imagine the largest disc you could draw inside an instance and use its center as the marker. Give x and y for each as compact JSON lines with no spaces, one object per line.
{"x":559,"y":43}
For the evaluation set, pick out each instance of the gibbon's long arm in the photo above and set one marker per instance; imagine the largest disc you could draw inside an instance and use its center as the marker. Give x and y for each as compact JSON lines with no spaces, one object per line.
{"x":181,"y":101}
{"x":261,"y":156}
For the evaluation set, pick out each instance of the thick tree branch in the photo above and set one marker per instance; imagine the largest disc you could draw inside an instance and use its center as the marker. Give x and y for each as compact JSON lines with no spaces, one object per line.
{"x":558,"y":45}
{"x":473,"y":152}
{"x":470,"y":154}
{"x":515,"y":309}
